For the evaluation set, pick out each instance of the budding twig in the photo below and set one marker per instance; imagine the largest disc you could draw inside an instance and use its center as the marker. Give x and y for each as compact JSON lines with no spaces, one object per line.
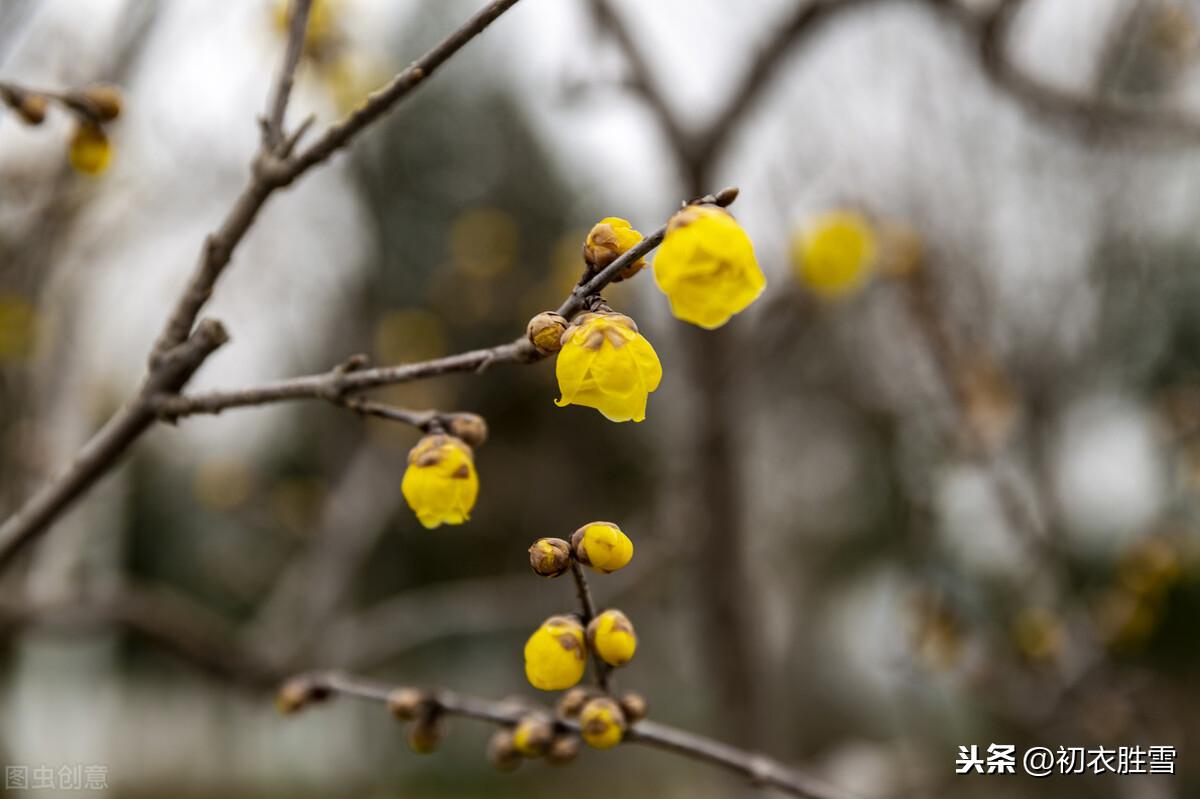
{"x":762,"y":770}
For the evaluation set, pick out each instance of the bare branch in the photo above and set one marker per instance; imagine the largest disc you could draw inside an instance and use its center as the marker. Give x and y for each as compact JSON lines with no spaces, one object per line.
{"x":273,"y":136}
{"x":760,"y":769}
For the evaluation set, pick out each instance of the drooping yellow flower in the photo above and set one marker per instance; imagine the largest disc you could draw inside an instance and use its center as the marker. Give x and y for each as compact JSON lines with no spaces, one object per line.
{"x":611,"y":637}
{"x":601,"y":723}
{"x":440,"y":483}
{"x":90,"y":150}
{"x":836,"y":253}
{"x":608,"y":240}
{"x":603,"y":546}
{"x":606,"y":364}
{"x":706,"y":266}
{"x":555,"y":655}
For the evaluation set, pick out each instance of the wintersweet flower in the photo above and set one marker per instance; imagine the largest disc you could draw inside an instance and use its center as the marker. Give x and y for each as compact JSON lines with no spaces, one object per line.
{"x":706,"y":266}
{"x":611,"y":637}
{"x":90,"y":151}
{"x":608,"y":240}
{"x":555,"y":655}
{"x":601,"y":723}
{"x":835,"y":253}
{"x":607,"y":365}
{"x":440,"y":483}
{"x":603,"y":546}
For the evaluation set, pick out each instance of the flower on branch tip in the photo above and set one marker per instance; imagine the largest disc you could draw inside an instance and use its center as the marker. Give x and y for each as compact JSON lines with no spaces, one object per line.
{"x":611,"y":636}
{"x":836,"y":253}
{"x":90,"y":150}
{"x":602,"y":545}
{"x":606,"y":364}
{"x":555,"y":655}
{"x":706,"y":266}
{"x":602,"y":723}
{"x":608,"y":240}
{"x":532,"y":735}
{"x":550,"y":557}
{"x":440,"y":483}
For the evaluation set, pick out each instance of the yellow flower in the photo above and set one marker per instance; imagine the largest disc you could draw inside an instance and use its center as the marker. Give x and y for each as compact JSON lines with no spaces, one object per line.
{"x":555,"y":655}
{"x":611,"y":636}
{"x":90,"y":150}
{"x":609,"y":239}
{"x":706,"y":266}
{"x":836,"y":253}
{"x":607,"y":365}
{"x":440,"y":483}
{"x":602,"y":723}
{"x":602,"y":546}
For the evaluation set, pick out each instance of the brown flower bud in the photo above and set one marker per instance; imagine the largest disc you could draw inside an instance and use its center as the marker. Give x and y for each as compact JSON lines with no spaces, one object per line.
{"x":502,"y":753}
{"x":563,"y":749}
{"x":633,"y":705}
{"x":104,"y":100}
{"x":407,"y":704}
{"x":545,"y":332}
{"x":31,"y":108}
{"x":532,"y":735}
{"x":573,"y":701}
{"x":426,"y":733}
{"x":550,"y":557}
{"x":297,"y":692}
{"x":470,"y":427}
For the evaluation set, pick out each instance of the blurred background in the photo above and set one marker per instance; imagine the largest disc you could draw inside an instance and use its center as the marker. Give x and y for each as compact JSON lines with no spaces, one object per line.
{"x":951,"y":501}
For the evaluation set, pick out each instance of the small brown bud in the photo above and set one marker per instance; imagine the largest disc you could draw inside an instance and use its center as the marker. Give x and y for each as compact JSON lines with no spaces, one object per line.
{"x":105,"y":100}
{"x":533,"y":734}
{"x":633,"y":705}
{"x":426,"y":733}
{"x":298,"y":692}
{"x":470,"y":427}
{"x":502,"y":753}
{"x":563,"y":749}
{"x":727,"y":195}
{"x":550,"y":557}
{"x":407,"y":704}
{"x":573,"y":701}
{"x":31,"y":108}
{"x":545,"y":332}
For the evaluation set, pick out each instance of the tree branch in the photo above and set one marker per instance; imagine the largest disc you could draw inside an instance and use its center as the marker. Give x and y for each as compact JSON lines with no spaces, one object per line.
{"x":273,"y":135}
{"x":760,"y":769}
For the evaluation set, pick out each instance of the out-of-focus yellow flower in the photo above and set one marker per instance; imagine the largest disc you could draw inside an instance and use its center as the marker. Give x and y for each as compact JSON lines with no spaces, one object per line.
{"x":1150,"y":567}
{"x":90,"y":151}
{"x":609,"y":239}
{"x":555,"y":655}
{"x":18,"y":327}
{"x":606,"y":364}
{"x":706,"y":266}
{"x":440,"y":483}
{"x":835,"y":253}
{"x":603,"y":546}
{"x":602,"y":723}
{"x":1039,"y":634}
{"x":611,"y":637}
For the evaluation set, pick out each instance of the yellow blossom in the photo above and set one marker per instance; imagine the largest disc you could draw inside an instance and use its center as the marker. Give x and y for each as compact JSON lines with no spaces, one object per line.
{"x":706,"y":266}
{"x":440,"y":483}
{"x":611,"y":637}
{"x":90,"y":151}
{"x":601,"y":723}
{"x":608,"y":240}
{"x":602,"y":545}
{"x":607,"y":365}
{"x":555,"y":655}
{"x":836,"y":253}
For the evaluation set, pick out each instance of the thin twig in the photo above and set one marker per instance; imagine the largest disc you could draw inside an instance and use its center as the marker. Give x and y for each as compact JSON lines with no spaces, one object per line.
{"x":588,"y":607}
{"x":273,"y":135}
{"x":761,"y":770}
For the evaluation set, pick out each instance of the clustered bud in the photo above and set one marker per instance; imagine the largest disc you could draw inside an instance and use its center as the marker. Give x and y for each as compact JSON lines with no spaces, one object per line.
{"x":533,"y":735}
{"x":545,"y":331}
{"x":501,"y":751}
{"x":602,"y":723}
{"x":299,"y":692}
{"x":610,"y":635}
{"x":469,"y":427}
{"x":550,"y":557}
{"x":406,"y":704}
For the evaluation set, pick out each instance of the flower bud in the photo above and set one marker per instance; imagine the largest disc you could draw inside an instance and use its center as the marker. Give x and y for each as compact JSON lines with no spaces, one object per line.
{"x":633,"y":705}
{"x":502,"y":753}
{"x":550,"y":557}
{"x":602,"y":545}
{"x":573,"y":701}
{"x":545,"y":332}
{"x":609,"y":239}
{"x":297,"y":692}
{"x":610,"y":635}
{"x":563,"y":749}
{"x":105,"y":100}
{"x":602,"y":723}
{"x":90,"y":150}
{"x":470,"y":427}
{"x":31,"y":108}
{"x":532,"y":735}
{"x":440,"y":483}
{"x":426,"y":733}
{"x":555,"y":655}
{"x":407,"y":704}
